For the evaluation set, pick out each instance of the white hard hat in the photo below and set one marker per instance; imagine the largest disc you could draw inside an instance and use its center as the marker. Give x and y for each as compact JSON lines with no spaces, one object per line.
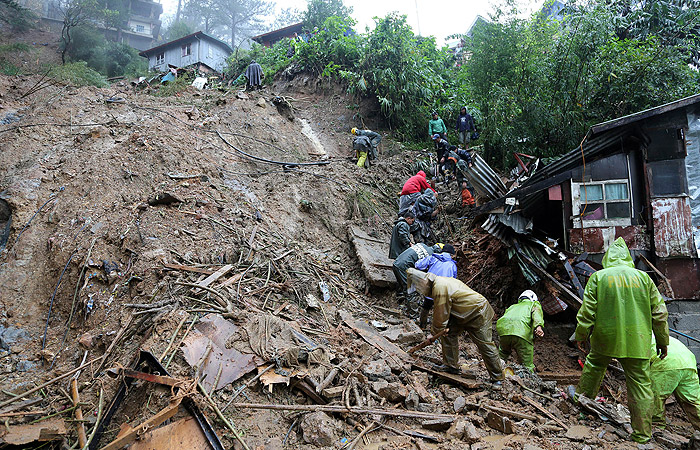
{"x":530,"y":295}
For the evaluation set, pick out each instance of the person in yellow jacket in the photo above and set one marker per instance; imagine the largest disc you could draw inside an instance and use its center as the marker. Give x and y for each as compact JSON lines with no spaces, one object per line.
{"x":676,"y":374}
{"x":517,"y":327}
{"x":621,"y":308}
{"x":459,"y":308}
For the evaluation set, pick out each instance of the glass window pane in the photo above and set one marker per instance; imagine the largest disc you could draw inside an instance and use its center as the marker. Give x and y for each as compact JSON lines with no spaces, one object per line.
{"x":618,"y":210}
{"x":617,"y":191}
{"x":592,"y":211}
{"x":591,"y":193}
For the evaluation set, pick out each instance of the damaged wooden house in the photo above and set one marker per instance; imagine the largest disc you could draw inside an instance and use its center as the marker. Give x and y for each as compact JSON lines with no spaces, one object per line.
{"x":637,"y":177}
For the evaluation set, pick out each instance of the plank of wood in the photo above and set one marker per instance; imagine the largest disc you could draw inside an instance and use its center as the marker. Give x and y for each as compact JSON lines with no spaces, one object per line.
{"x":537,"y":405}
{"x":216,"y":275}
{"x":373,"y":257}
{"x":454,"y":379}
{"x":569,"y":297}
{"x":188,"y":268}
{"x":374,"y":339}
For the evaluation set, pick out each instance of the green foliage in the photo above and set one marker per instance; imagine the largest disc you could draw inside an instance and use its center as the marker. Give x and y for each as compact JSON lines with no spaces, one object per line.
{"x":109,"y":58}
{"x":177,"y":30}
{"x":19,"y":18}
{"x":329,"y":50}
{"x":272,"y":60}
{"x":78,"y":74}
{"x":318,"y":11}
{"x":173,"y":87}
{"x":8,"y":54}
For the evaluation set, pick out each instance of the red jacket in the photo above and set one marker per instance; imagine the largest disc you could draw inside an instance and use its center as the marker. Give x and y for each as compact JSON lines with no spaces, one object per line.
{"x":417,"y":183}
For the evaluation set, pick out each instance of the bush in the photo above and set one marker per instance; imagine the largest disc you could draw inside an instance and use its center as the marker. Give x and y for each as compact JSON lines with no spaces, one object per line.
{"x":111,"y":59}
{"x":79,"y":74}
{"x":8,"y":53}
{"x":19,"y":18}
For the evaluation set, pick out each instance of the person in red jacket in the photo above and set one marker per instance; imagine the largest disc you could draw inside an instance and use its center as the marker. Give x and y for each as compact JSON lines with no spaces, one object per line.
{"x":412,"y":189}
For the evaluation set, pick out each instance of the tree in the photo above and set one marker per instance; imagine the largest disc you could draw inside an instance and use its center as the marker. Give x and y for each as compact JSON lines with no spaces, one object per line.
{"x":242,"y":16}
{"x":286,"y":17}
{"x":204,"y":15}
{"x":177,"y":30}
{"x":81,"y":12}
{"x":16,"y":16}
{"x":318,"y":11}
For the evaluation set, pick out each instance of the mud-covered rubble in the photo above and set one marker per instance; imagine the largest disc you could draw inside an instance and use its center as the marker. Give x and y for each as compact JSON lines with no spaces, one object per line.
{"x":141,"y":230}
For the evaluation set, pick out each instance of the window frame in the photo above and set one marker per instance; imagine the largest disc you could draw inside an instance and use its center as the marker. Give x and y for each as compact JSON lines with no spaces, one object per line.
{"x":577,"y":202}
{"x":186,"y":50}
{"x":140,"y":28}
{"x":160,"y":58}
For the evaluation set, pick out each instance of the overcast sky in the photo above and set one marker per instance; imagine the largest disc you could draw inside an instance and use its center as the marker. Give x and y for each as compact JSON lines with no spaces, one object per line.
{"x":439,"y":18}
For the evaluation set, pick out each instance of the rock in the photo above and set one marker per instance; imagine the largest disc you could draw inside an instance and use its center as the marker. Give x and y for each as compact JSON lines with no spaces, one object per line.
{"x":406,"y":333}
{"x":472,"y":434}
{"x":579,"y":433}
{"x":163,"y":198}
{"x":261,"y":103}
{"x":11,"y":336}
{"x":318,"y":429}
{"x":421,"y":378}
{"x":437,"y":424}
{"x":379,"y":384}
{"x":456,"y":431}
{"x":671,"y":440}
{"x":412,"y":400}
{"x":87,"y":340}
{"x":26,"y":366}
{"x":242,"y":95}
{"x":500,"y":423}
{"x":376,"y":369}
{"x":450,"y":392}
{"x":273,"y":444}
{"x":312,"y":302}
{"x":394,"y":392}
{"x":459,"y":404}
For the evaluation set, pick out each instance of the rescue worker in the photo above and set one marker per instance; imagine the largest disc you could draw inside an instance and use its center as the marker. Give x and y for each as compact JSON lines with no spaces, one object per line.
{"x":458,"y":308}
{"x":374,"y":140}
{"x":676,"y":374}
{"x":441,"y":264}
{"x":621,"y":308}
{"x":412,"y":190}
{"x":407,"y":260}
{"x":401,"y":234}
{"x":517,"y":328}
{"x":425,"y":208}
{"x":461,"y":175}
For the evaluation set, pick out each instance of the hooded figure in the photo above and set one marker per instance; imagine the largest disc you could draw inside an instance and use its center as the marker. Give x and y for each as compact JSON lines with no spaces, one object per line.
{"x":401,"y":235}
{"x":621,"y":309}
{"x":459,"y":308}
{"x":254,"y":74}
{"x":407,"y":260}
{"x":436,"y":126}
{"x":465,"y":125}
{"x":676,"y":374}
{"x":517,"y":328}
{"x":374,"y":139}
{"x":412,"y":189}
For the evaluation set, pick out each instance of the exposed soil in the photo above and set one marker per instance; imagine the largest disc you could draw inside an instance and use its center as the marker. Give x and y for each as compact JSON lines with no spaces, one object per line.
{"x":107,"y":186}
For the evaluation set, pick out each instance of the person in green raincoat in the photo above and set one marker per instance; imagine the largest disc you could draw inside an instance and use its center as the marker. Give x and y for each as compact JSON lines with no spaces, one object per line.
{"x":517,"y":328}
{"x":621,"y":309}
{"x":676,"y":374}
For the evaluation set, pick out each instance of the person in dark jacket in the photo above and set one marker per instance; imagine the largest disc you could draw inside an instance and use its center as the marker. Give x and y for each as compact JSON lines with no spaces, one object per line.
{"x":401,"y":234}
{"x":374,"y":139}
{"x":254,"y":74}
{"x":465,"y":126}
{"x":464,"y":163}
{"x":407,"y":260}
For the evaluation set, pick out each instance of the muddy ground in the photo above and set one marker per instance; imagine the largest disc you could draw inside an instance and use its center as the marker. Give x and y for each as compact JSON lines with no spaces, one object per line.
{"x":118,"y":196}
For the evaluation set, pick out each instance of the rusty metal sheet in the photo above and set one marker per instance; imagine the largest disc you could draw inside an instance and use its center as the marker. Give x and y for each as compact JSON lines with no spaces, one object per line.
{"x":372,"y":254}
{"x":673,"y":228}
{"x":684,"y":275}
{"x":184,"y":434}
{"x":205,"y":349}
{"x":129,"y":434}
{"x":597,"y":240}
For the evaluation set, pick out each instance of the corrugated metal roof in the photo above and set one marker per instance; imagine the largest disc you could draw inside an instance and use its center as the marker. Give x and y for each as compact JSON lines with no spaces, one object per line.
{"x":486,"y":182}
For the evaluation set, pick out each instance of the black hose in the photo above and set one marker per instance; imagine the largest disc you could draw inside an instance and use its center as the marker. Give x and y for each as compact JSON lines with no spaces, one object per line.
{"x":269,"y":161}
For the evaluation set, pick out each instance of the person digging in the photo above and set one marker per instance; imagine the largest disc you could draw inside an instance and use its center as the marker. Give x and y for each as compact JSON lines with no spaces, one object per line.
{"x":518,"y":327}
{"x":459,"y":308}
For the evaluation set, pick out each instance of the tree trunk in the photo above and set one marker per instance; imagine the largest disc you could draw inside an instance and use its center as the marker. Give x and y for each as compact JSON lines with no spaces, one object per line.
{"x":179,"y":8}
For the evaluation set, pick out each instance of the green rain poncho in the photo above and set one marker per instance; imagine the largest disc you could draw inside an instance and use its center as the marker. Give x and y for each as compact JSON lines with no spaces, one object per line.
{"x":621,"y":307}
{"x":521,"y":319}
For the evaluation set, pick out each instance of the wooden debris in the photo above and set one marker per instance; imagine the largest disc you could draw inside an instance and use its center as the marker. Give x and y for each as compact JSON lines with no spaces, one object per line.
{"x":188,"y":268}
{"x":344,"y":409}
{"x":373,"y":258}
{"x":537,"y":405}
{"x":183,"y":434}
{"x":437,"y":424}
{"x":128,"y":434}
{"x":374,"y":339}
{"x":428,"y":341}
{"x":216,"y":275}
{"x":82,"y":436}
{"x":510,"y":413}
{"x":21,"y":435}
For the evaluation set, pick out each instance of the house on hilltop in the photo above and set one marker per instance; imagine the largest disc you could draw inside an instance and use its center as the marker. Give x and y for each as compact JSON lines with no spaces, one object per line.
{"x":205,"y":52}
{"x":272,"y":37}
